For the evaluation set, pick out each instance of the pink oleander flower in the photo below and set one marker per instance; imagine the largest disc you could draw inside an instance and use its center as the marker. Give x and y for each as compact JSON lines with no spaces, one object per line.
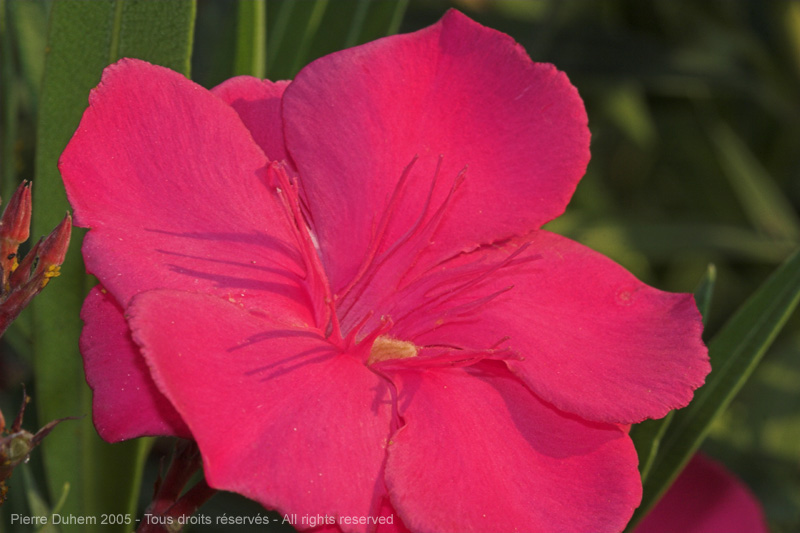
{"x":338,"y":287}
{"x":706,"y":498}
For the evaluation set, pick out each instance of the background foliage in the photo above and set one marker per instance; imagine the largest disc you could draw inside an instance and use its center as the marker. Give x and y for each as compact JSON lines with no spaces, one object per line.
{"x":694,"y":109}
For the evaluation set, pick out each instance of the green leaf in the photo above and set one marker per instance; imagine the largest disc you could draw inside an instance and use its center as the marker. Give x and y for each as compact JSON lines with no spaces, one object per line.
{"x":28,"y":23}
{"x":278,"y":33}
{"x":251,"y":39}
{"x":357,"y":24}
{"x":705,"y":290}
{"x":647,"y":438}
{"x":312,"y":24}
{"x":38,"y":507}
{"x":22,"y":43}
{"x":83,"y":38}
{"x":663,"y":241}
{"x":762,"y":199}
{"x":300,"y":32}
{"x":735,"y":351}
{"x":397,"y":17}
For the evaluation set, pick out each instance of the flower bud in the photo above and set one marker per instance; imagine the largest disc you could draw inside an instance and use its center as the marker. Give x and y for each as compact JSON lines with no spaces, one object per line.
{"x":54,"y":250}
{"x":22,"y":280}
{"x":16,"y":220}
{"x":14,"y":229}
{"x":16,"y":446}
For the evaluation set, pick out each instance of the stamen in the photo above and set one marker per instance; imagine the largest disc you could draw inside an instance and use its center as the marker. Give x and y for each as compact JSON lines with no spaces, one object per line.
{"x":474,"y":273}
{"x":356,"y":338}
{"x":452,"y":315}
{"x":433,"y":224}
{"x":438,"y":298}
{"x":378,"y":236}
{"x":407,"y":235}
{"x":455,"y":357}
{"x":315,"y":274}
{"x":418,"y":232}
{"x":484,"y":273}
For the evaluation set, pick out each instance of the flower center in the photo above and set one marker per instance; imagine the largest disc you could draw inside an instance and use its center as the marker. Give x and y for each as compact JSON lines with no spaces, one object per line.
{"x":386,"y":347}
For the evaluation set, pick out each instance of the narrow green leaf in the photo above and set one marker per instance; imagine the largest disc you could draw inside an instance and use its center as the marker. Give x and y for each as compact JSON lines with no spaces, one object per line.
{"x":22,"y":44}
{"x":762,"y":199}
{"x":300,"y":32}
{"x":144,"y":445}
{"x":397,"y":17}
{"x":83,"y":38}
{"x":28,"y":22}
{"x":357,"y":24}
{"x":647,"y":438}
{"x":251,"y":39}
{"x":735,"y":351}
{"x":705,"y":290}
{"x":628,"y":108}
{"x":791,"y":18}
{"x":314,"y":20}
{"x":663,"y":241}
{"x":8,"y":106}
{"x":37,"y":505}
{"x":279,"y":29}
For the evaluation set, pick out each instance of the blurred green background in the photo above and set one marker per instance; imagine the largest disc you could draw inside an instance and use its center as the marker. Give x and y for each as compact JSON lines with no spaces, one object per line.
{"x":694,"y":109}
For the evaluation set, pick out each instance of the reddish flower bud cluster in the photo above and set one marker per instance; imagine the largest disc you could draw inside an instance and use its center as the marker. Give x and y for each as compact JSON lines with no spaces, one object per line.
{"x":22,"y":280}
{"x":16,"y":445}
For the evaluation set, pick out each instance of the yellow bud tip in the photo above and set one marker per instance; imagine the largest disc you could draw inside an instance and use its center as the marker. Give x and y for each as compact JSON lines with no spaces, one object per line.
{"x":385,"y":348}
{"x":53,"y":271}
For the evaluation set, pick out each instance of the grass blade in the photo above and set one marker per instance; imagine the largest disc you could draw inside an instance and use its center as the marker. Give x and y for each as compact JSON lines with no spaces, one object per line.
{"x":251,"y":39}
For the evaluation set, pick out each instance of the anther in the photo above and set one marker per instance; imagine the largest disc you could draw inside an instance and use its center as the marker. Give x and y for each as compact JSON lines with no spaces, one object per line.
{"x":385,"y":348}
